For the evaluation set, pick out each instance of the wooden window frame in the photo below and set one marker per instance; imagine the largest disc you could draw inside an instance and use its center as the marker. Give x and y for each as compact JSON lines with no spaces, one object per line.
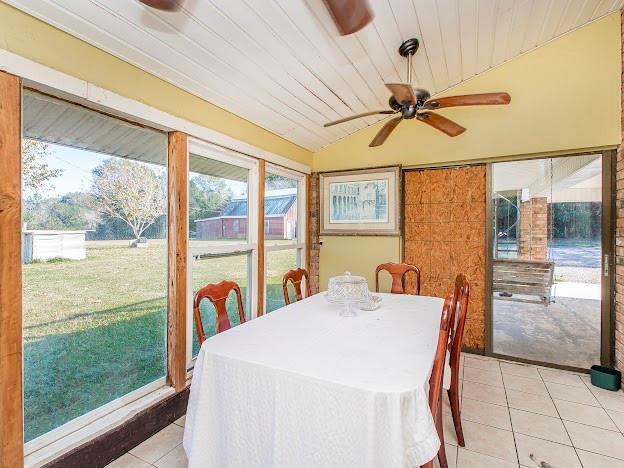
{"x":64,"y":86}
{"x":11,"y":356}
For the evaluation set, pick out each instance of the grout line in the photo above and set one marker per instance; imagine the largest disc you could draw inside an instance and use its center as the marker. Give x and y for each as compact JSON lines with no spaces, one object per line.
{"x":139,"y":458}
{"x":561,"y":419}
{"x":157,"y":460}
{"x":510,"y":420}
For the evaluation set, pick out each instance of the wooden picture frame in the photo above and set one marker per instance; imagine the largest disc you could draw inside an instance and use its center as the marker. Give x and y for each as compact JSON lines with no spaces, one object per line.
{"x":361,"y":202}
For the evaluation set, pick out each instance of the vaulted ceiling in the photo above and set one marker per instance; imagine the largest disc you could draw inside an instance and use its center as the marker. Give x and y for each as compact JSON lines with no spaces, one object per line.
{"x":282,"y":65}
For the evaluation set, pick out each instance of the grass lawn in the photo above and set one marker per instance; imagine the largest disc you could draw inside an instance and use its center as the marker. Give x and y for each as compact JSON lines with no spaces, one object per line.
{"x":94,"y":329}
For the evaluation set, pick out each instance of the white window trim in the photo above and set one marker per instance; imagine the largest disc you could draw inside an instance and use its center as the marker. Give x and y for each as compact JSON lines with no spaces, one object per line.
{"x":76,"y":432}
{"x":278,"y":247}
{"x":298,"y":244}
{"x":249,"y":247}
{"x":48,"y":80}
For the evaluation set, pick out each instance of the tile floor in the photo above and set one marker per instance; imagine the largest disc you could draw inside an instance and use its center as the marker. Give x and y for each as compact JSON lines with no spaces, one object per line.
{"x":513,"y":415}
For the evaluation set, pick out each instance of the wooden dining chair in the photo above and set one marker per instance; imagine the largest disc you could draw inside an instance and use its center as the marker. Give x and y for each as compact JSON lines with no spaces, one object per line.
{"x":217,"y":294}
{"x":398,"y":272}
{"x":458,"y":321}
{"x":437,"y":377}
{"x":296,"y":277}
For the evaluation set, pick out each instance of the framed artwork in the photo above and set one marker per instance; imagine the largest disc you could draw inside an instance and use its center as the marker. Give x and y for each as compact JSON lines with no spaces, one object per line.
{"x":362,"y":202}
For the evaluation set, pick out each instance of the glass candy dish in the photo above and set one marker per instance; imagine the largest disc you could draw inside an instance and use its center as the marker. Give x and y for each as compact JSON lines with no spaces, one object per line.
{"x":348,"y":290}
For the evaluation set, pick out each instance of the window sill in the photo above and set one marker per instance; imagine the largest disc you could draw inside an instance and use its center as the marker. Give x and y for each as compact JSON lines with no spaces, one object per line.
{"x":73,"y":434}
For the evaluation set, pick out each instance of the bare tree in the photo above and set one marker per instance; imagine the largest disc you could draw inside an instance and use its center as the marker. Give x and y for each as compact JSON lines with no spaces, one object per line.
{"x":130,"y":191}
{"x":36,"y":172}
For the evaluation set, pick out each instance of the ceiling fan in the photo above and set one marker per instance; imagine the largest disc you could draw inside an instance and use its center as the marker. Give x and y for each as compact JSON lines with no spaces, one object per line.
{"x":416,"y":103}
{"x":349,"y":15}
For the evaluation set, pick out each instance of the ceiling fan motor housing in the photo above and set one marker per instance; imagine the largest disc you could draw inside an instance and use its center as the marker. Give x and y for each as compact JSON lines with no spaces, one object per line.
{"x":409,"y":109}
{"x":409,"y":47}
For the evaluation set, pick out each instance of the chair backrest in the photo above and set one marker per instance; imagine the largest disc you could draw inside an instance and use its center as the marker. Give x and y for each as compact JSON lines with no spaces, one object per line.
{"x":218,"y":295}
{"x":296,"y":277}
{"x":398,"y":272}
{"x":459,"y":312}
{"x":437,"y":372}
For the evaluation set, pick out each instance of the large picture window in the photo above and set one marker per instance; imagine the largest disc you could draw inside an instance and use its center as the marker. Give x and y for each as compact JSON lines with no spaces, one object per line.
{"x":95,"y":260}
{"x":222,"y":235}
{"x":284,"y":230}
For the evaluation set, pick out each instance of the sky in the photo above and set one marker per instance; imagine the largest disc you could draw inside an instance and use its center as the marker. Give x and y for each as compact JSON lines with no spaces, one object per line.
{"x":77,"y":166}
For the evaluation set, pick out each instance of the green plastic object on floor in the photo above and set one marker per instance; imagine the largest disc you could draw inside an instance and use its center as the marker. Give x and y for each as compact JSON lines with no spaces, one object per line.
{"x":606,"y":377}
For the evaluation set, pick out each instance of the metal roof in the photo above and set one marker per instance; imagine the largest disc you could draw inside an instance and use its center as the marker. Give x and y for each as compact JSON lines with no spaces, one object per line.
{"x":273,"y":206}
{"x":212,"y":167}
{"x":52,"y":120}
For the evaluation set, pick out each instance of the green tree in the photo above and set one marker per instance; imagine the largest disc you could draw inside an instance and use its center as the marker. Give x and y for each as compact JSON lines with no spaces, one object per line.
{"x":36,"y":173}
{"x":130,"y":191}
{"x":275,"y":182}
{"x":208,"y":195}
{"x":67,"y":212}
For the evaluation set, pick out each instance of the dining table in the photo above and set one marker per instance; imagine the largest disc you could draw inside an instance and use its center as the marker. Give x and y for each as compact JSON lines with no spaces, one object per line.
{"x":303,"y":386}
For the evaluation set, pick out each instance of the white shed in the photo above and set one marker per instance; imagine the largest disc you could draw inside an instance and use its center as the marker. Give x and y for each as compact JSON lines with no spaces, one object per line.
{"x":44,"y":245}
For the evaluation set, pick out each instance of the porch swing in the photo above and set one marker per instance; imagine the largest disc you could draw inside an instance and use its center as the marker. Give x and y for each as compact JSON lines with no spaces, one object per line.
{"x":526,"y":277}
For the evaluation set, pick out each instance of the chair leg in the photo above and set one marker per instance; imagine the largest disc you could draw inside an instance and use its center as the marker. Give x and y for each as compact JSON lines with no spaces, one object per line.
{"x":453,"y":394}
{"x":440,"y":427}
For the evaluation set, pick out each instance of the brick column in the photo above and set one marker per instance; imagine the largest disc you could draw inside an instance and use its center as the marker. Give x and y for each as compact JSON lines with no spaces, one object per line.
{"x":619,"y":242}
{"x":314,"y":249}
{"x":533,"y":238}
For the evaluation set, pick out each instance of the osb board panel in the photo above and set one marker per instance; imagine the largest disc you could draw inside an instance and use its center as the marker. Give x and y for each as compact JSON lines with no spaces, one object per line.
{"x":445,"y":235}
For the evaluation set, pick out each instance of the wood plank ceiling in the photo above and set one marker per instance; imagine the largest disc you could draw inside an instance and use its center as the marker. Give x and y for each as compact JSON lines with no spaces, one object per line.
{"x":282,"y":65}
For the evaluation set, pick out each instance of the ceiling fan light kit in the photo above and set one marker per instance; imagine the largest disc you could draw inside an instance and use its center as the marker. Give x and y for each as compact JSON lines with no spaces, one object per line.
{"x":416,"y":103}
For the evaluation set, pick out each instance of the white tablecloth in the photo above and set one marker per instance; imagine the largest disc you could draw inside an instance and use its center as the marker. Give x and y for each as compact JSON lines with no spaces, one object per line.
{"x":304,"y":387}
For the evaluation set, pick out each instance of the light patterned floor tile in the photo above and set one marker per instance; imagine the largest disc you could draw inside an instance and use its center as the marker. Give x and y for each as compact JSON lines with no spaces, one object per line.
{"x":521,"y":370}
{"x":489,"y":385}
{"x":468,"y":459}
{"x":482,"y":364}
{"x":451,"y":457}
{"x":128,"y":461}
{"x":594,"y":439}
{"x":540,"y":426}
{"x":569,"y":393}
{"x":585,"y":414}
{"x":560,"y":377}
{"x":449,"y":429}
{"x":533,"y":451}
{"x":478,"y":356}
{"x":541,"y":404}
{"x":486,"y":393}
{"x":602,"y":391}
{"x":613,"y":402}
{"x":485,"y":413}
{"x":174,"y":459}
{"x":159,"y":444}
{"x":485,"y":376}
{"x":446,"y":404}
{"x":618,"y":418}
{"x":523,"y":384}
{"x":594,"y":460}
{"x":489,"y":440}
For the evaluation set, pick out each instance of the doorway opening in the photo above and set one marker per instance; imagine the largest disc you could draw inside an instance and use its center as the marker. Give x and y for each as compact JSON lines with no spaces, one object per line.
{"x":549,"y":260}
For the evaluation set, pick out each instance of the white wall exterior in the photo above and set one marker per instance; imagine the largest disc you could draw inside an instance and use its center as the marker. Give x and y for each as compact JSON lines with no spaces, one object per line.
{"x":44,"y":245}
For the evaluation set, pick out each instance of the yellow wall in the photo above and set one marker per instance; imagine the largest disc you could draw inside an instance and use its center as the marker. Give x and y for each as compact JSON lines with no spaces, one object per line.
{"x":358,"y":255}
{"x":33,"y":39}
{"x":565,"y":97}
